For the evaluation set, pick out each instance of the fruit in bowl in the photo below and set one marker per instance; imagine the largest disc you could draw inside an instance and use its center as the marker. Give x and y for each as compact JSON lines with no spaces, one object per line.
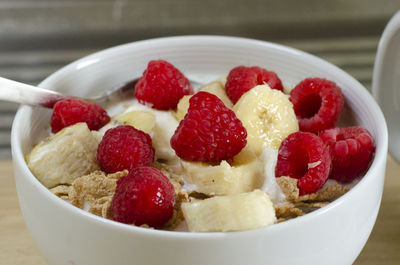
{"x":213,"y":144}
{"x":273,"y":241}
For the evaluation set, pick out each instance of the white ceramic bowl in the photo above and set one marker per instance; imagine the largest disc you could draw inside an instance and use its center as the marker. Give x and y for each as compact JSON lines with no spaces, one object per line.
{"x":334,"y":234}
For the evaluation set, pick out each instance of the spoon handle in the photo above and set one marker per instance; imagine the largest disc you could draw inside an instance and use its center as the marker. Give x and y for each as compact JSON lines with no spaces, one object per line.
{"x":25,"y":94}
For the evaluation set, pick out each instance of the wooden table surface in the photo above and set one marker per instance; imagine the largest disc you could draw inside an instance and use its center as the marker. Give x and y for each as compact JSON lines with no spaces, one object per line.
{"x":17,"y":247}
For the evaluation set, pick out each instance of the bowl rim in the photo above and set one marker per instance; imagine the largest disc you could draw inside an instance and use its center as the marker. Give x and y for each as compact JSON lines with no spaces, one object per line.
{"x":378,"y":161}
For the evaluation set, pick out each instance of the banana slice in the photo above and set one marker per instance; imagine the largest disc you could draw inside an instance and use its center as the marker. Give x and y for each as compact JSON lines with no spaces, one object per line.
{"x":230,"y":213}
{"x":246,"y":155}
{"x":224,"y":179}
{"x":140,"y":119}
{"x":65,"y":156}
{"x":182,"y":108}
{"x":268,"y":116}
{"x":216,"y":88}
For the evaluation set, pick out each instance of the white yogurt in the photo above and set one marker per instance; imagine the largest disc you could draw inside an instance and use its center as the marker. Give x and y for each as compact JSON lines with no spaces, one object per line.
{"x":269,"y":158}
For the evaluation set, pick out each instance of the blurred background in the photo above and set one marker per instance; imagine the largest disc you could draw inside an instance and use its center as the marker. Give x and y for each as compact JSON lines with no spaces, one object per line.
{"x":37,"y":37}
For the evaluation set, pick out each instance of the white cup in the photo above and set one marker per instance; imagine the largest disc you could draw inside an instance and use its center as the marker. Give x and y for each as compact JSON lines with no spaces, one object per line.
{"x":386,"y":81}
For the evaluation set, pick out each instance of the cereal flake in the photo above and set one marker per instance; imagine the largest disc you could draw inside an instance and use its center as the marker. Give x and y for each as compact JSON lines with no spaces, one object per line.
{"x":97,"y":189}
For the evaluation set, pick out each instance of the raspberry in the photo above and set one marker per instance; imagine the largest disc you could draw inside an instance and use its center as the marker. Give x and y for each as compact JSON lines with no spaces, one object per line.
{"x":162,"y":86}
{"x":304,"y":156}
{"x":317,"y":103}
{"x":70,"y":111}
{"x":241,"y":79}
{"x":144,"y":196}
{"x":352,"y":149}
{"x":209,"y":132}
{"x":124,"y":147}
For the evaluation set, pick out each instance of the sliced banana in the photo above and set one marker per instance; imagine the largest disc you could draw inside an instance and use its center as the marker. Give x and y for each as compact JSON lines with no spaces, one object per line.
{"x":182,"y":108}
{"x":224,"y":179}
{"x":268,"y":116}
{"x":230,"y":213}
{"x":246,"y":155}
{"x":65,"y":156}
{"x":140,"y":119}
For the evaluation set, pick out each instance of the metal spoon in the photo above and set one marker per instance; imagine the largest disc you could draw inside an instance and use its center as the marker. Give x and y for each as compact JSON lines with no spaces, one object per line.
{"x":26,"y":94}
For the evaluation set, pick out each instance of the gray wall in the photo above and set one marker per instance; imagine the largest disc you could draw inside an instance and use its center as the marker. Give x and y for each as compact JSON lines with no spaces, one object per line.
{"x":143,"y":19}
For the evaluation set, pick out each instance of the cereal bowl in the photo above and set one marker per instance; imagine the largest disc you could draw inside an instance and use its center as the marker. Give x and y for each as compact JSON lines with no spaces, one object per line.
{"x":64,"y":234}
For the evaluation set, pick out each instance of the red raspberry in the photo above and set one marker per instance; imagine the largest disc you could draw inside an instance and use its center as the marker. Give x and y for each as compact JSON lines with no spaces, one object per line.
{"x":317,"y":103}
{"x":352,"y":150}
{"x":70,"y":111}
{"x":162,"y":86}
{"x":241,"y":79}
{"x":144,"y":196}
{"x":209,"y":132}
{"x":304,"y":156}
{"x":124,"y":147}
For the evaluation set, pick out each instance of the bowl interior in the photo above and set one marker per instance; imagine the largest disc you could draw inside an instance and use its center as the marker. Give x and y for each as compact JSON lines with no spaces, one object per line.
{"x":202,"y":58}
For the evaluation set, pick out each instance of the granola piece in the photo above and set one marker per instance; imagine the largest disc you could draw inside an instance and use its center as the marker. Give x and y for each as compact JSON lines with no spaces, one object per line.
{"x":330,"y":193}
{"x":97,"y":189}
{"x":288,"y":186}
{"x":314,"y":205}
{"x":287,"y":211}
{"x":102,"y":207}
{"x":106,"y":211}
{"x":308,"y":207}
{"x":61,"y":191}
